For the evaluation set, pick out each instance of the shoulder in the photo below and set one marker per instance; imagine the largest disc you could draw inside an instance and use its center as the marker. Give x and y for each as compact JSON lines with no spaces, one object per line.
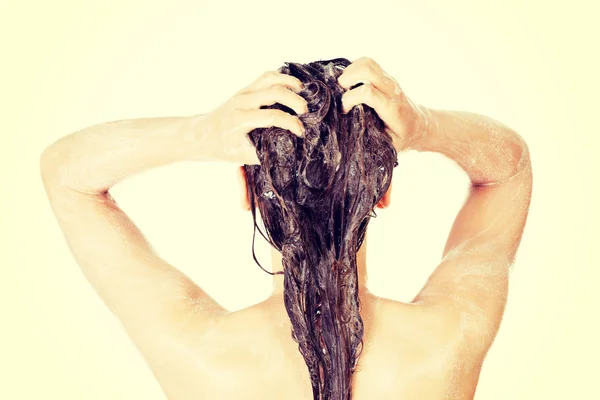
{"x":432,"y":331}
{"x":247,"y":334}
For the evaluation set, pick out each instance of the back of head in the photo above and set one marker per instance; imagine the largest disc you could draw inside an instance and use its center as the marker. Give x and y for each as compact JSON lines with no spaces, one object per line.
{"x":316,"y":195}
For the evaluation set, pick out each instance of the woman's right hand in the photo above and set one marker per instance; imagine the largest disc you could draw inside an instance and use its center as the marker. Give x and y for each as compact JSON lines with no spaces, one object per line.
{"x":226,"y":128}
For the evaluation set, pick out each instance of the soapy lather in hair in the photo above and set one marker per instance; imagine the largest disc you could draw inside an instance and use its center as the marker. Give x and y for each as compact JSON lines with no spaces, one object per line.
{"x":316,"y":195}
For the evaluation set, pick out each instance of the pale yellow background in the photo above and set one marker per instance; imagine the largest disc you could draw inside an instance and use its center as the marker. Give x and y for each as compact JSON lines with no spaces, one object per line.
{"x":69,"y":64}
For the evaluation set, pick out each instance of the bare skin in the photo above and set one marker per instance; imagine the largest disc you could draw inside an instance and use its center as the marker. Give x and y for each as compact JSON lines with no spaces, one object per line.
{"x":430,"y":348}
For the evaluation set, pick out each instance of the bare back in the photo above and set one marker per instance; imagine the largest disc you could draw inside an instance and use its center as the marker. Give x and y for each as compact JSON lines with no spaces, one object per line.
{"x":432,"y":348}
{"x":410,"y":352}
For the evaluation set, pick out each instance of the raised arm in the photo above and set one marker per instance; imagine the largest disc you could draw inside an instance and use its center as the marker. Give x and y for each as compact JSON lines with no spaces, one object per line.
{"x":471,"y":281}
{"x":470,"y":285}
{"x":151,"y":297}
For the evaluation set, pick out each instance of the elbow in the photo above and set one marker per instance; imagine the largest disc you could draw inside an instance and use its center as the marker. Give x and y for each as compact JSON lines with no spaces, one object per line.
{"x":50,"y":162}
{"x":55,"y":156}
{"x":518,"y":158}
{"x":521,"y":153}
{"x":47,"y":161}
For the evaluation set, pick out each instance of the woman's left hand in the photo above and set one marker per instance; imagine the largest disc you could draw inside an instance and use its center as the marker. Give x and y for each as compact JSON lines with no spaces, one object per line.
{"x":380,"y":91}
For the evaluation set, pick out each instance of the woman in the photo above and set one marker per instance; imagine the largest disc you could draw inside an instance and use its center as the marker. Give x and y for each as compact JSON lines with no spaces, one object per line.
{"x":318,"y":143}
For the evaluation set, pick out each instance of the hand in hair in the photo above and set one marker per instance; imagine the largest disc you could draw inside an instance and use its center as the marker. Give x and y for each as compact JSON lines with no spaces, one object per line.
{"x":381,"y":92}
{"x":231,"y":122}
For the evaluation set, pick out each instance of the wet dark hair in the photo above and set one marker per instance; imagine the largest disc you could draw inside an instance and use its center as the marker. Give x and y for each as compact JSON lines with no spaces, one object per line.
{"x":316,"y":195}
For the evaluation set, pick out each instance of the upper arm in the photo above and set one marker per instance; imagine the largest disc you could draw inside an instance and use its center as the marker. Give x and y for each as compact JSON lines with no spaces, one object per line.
{"x":145,"y":292}
{"x":471,"y":282}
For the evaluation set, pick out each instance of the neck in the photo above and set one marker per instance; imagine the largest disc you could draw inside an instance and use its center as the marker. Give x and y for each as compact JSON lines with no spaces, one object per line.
{"x":361,"y":264}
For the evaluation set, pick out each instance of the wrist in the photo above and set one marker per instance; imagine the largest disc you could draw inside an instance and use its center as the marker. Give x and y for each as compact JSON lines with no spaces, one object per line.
{"x":423,"y":130}
{"x":198,"y":138}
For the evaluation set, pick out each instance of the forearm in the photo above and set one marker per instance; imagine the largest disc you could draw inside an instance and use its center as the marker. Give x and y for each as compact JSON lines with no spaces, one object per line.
{"x":94,"y":159}
{"x":488,"y":151}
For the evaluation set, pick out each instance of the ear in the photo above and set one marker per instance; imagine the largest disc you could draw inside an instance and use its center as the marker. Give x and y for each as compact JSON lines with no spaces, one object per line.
{"x":386,"y":199}
{"x":244,"y":200}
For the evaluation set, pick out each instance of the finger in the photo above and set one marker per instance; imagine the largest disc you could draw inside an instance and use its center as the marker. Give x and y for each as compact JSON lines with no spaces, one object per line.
{"x":364,"y":70}
{"x":271,"y":78}
{"x":253,"y":118}
{"x":271,"y":95}
{"x":371,"y":96}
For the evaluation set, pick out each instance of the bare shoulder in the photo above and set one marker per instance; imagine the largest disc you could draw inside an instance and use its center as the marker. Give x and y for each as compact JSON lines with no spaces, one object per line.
{"x":251,"y":351}
{"x":414,"y":321}
{"x":414,"y":351}
{"x":434,"y":329}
